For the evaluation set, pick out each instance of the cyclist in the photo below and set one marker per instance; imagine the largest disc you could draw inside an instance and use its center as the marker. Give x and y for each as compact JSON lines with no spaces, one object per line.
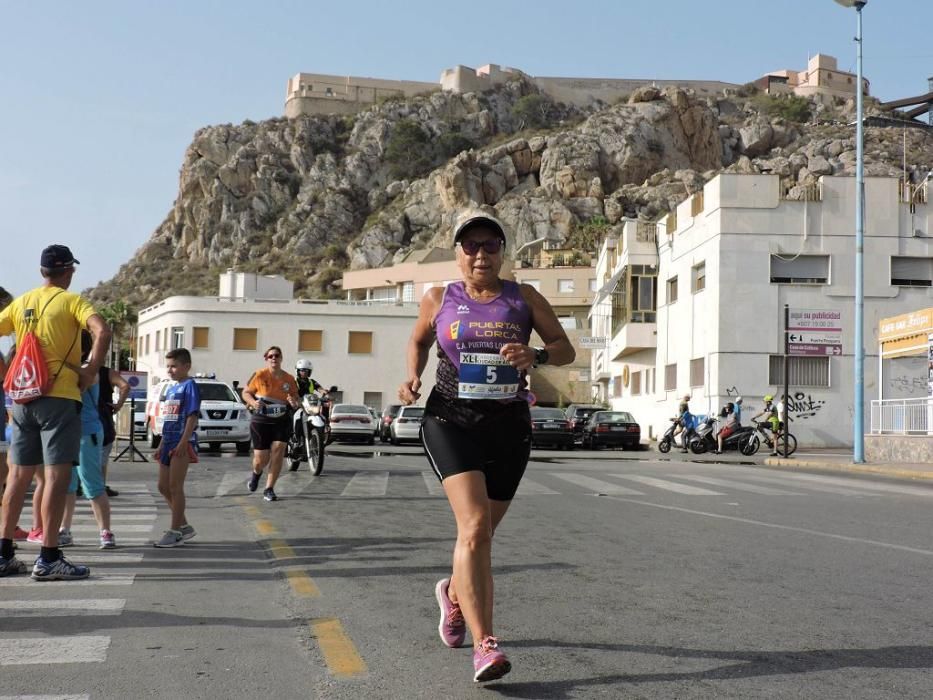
{"x":770,"y":412}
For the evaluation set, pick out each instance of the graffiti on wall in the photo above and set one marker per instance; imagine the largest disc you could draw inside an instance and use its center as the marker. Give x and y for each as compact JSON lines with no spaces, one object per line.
{"x":803,"y":406}
{"x":732,"y":391}
{"x":907,"y":385}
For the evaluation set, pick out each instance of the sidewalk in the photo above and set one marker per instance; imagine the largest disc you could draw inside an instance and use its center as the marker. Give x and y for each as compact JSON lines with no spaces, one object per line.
{"x":835,"y":461}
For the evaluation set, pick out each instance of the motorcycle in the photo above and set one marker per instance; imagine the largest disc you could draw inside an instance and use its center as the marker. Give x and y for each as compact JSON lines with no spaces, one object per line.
{"x":668,"y":440}
{"x":311,"y":428}
{"x":705,"y":439}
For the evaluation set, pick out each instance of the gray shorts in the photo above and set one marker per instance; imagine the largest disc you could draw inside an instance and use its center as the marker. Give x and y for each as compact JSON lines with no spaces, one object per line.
{"x":46,"y":431}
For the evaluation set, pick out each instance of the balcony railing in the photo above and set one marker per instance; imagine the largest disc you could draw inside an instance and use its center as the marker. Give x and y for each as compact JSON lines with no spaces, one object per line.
{"x":646,"y":232}
{"x":912,"y":194}
{"x":902,"y":416}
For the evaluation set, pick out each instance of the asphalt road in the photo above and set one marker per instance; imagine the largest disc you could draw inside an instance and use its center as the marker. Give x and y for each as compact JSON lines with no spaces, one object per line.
{"x":618,"y":575}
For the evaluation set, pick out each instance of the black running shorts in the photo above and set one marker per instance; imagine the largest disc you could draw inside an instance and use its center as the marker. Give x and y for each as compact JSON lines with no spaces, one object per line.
{"x":500,"y":449}
{"x":264,"y":432}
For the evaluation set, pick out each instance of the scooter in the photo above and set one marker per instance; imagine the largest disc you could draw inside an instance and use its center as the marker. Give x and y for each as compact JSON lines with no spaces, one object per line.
{"x":668,"y":440}
{"x":310,"y":433}
{"x":705,"y":439}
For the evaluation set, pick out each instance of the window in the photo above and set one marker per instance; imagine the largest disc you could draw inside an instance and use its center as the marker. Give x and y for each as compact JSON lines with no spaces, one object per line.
{"x":803,"y":371}
{"x":636,"y":383}
{"x":617,"y":386}
{"x":139,"y":346}
{"x":911,"y":272}
{"x":178,"y":338}
{"x":651,"y":376}
{"x":200,"y":337}
{"x":335,"y":396}
{"x":568,"y":323}
{"x":593,"y":285}
{"x":672,"y":290}
{"x":800,"y":269}
{"x":670,"y":377}
{"x":697,"y":371}
{"x":533,"y":283}
{"x":408,"y":291}
{"x":147,"y":343}
{"x":360,"y":342}
{"x":158,"y":342}
{"x":698,"y":276}
{"x":565,"y":286}
{"x":633,"y":299}
{"x":310,"y":341}
{"x":373,"y":399}
{"x":244,"y":338}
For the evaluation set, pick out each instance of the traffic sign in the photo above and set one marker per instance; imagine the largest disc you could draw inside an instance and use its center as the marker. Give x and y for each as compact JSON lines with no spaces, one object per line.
{"x":815,"y":337}
{"x":811,"y":350}
{"x":815,"y":320}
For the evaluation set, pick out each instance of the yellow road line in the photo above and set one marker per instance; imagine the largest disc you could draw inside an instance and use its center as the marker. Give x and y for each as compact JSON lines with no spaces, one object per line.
{"x":265,"y":528}
{"x":340,"y":653}
{"x":302,"y":585}
{"x":281,"y":550}
{"x":252,"y":511}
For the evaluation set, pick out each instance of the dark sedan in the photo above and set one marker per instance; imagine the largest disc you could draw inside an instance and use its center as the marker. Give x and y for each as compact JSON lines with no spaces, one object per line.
{"x":549,"y":426}
{"x":613,"y":429}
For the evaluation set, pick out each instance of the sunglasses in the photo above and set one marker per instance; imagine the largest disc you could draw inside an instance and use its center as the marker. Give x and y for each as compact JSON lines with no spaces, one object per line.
{"x":490,"y":245}
{"x":273,"y":356}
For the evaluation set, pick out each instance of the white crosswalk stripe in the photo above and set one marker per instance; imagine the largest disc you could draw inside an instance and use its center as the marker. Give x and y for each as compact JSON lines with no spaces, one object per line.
{"x":232,"y":481}
{"x":62,"y":608}
{"x":597,"y":485}
{"x":823,"y":488}
{"x":45,"y":697}
{"x":432,"y":484}
{"x":862,"y":484}
{"x":96,"y":579}
{"x":665,"y":485}
{"x":737,"y":485}
{"x":367,"y":484}
{"x":527,"y":487}
{"x":53,"y":650}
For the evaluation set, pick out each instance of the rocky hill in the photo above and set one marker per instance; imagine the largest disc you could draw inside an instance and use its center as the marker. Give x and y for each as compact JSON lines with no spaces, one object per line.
{"x":313,"y":196}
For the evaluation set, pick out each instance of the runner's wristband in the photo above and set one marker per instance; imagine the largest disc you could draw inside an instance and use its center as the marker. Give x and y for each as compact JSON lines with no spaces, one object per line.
{"x":541,"y":357}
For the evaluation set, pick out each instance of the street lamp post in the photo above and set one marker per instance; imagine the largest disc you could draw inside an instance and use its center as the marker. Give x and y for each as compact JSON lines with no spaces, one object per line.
{"x":858,"y":428}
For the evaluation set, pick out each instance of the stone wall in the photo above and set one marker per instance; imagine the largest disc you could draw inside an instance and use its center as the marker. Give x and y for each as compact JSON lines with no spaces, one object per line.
{"x":906,"y":449}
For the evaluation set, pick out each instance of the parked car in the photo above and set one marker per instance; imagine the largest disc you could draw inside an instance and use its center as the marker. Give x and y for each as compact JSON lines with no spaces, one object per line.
{"x":352,"y":422}
{"x":377,"y":419}
{"x":388,"y":415}
{"x":613,"y":429}
{"x":224,"y":418}
{"x":549,"y":426}
{"x":407,"y":425}
{"x":577,"y":414}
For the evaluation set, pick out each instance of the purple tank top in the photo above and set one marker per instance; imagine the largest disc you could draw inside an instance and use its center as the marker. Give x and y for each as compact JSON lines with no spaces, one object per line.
{"x":469,"y":337}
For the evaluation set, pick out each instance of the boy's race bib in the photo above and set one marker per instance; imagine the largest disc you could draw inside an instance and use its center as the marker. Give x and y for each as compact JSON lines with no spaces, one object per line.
{"x":486,"y":376}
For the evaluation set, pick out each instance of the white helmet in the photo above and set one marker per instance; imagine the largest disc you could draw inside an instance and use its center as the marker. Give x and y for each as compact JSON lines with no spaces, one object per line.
{"x":304,"y":364}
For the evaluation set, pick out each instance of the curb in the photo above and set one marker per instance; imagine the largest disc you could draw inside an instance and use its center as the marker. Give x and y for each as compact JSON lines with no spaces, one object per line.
{"x":885,"y":470}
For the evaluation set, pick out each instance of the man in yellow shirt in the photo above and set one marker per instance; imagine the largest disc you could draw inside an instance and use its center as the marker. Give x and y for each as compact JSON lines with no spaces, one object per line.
{"x":47,"y":430}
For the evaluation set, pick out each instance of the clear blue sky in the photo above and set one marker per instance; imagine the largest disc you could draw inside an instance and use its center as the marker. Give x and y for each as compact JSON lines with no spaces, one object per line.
{"x":100,"y":99}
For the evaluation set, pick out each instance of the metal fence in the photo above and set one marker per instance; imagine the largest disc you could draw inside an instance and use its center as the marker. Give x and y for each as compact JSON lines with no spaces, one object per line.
{"x":902,"y":416}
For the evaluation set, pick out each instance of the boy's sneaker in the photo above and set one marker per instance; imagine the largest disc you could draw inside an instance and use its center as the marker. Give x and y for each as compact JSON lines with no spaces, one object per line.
{"x":488,"y":662}
{"x":187,"y":532}
{"x":106,"y":540}
{"x":65,"y":538}
{"x":11,"y":567}
{"x":269,"y":495}
{"x":35,"y":535}
{"x":59,"y":570}
{"x":171,"y":538}
{"x":253,"y":481}
{"x":111,"y":493}
{"x":452,"y":627}
{"x":19,"y":533}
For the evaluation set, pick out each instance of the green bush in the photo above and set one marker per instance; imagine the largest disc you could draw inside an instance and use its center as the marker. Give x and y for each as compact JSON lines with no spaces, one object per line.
{"x":533,"y":112}
{"x":789,"y":107}
{"x":409,"y":151}
{"x":452,"y":143}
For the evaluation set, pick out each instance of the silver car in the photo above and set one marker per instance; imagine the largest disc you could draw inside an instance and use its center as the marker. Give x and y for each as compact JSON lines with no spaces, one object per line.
{"x":407,"y":425}
{"x":352,"y":422}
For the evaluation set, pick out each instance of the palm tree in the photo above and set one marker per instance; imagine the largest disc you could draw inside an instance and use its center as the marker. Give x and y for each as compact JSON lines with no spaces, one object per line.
{"x":122,"y":320}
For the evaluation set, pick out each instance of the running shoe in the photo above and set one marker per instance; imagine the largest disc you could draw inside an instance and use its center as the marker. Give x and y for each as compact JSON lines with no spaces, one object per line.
{"x":452,"y":627}
{"x":11,"y":567}
{"x":488,"y":662}
{"x":269,"y":495}
{"x":253,"y":481}
{"x":187,"y":532}
{"x":171,"y":538}
{"x":35,"y":535}
{"x":59,"y":570}
{"x":65,"y":538}
{"x":113,"y":493}
{"x":106,"y":540}
{"x":19,"y":533}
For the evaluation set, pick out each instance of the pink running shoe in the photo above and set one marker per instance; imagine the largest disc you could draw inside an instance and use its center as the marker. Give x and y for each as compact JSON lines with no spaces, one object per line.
{"x":452,"y":627}
{"x":20,"y":534}
{"x":488,"y":662}
{"x":35,"y":535}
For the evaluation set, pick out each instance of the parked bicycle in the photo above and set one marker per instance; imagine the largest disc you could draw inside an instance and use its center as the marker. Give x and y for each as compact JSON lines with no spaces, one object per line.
{"x":775,"y":442}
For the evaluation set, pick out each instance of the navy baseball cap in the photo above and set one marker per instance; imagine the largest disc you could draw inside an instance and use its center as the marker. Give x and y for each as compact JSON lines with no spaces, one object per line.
{"x":57,"y":257}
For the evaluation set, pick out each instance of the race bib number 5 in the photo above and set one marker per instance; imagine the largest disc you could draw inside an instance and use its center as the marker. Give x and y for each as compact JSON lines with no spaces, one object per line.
{"x":486,"y":376}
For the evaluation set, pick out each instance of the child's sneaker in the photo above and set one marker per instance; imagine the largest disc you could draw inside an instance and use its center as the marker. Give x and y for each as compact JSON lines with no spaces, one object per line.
{"x":11,"y":567}
{"x":488,"y":662}
{"x":187,"y":532}
{"x":106,"y":540}
{"x":65,"y":539}
{"x":171,"y":538}
{"x":35,"y":535}
{"x":452,"y":627}
{"x":58,"y":570}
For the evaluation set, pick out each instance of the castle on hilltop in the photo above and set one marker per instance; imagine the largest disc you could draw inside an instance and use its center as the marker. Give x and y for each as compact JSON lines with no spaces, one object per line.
{"x":314,"y":93}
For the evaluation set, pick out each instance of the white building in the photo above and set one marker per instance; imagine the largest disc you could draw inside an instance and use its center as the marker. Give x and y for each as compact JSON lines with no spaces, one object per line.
{"x":694,"y":304}
{"x":358,"y":346}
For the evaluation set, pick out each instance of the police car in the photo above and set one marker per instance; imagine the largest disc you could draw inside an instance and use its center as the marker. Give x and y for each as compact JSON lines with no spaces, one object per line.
{"x":224,"y":417}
